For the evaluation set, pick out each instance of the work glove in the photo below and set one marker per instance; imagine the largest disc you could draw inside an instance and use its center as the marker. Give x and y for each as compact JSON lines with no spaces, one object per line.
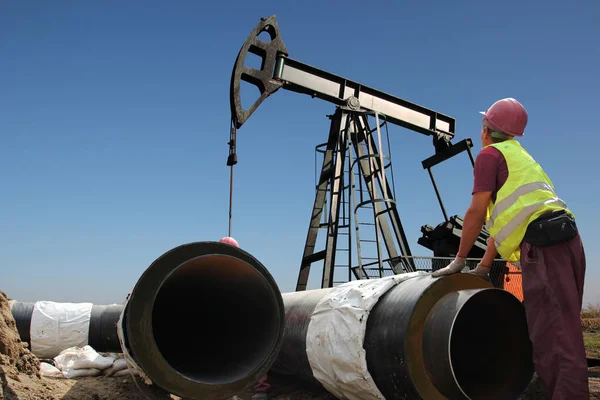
{"x":455,"y":266}
{"x":481,"y":271}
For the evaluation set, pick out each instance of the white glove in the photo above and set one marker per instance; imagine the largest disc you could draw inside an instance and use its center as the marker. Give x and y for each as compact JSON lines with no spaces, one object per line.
{"x":480,"y":270}
{"x":455,"y":266}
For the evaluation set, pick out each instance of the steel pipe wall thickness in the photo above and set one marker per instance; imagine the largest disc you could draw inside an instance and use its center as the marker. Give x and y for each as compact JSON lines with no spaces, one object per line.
{"x":204,"y":321}
{"x":408,"y":337}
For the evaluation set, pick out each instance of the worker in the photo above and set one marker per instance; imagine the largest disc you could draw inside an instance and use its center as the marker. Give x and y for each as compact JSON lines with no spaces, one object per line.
{"x":262,"y":387}
{"x":529,"y":224}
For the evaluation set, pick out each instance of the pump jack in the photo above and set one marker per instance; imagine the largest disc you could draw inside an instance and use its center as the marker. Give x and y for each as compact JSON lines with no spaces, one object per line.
{"x":352,"y":146}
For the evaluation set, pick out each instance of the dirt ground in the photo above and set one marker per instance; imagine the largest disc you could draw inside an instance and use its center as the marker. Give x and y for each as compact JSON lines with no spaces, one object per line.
{"x":537,"y":391}
{"x":21,"y":379}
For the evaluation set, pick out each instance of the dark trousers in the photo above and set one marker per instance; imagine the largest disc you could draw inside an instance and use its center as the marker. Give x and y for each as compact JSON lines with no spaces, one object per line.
{"x":553,"y":280}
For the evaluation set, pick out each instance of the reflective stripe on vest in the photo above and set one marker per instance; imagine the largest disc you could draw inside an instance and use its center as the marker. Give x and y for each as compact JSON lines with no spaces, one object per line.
{"x":523,"y":216}
{"x":509,"y":200}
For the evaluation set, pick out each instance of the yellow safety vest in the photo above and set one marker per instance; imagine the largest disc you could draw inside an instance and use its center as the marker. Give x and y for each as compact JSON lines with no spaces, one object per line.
{"x":526,"y":194}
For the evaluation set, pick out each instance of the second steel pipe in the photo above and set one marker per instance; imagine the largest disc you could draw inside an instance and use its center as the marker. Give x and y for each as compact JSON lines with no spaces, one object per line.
{"x":406,"y":337}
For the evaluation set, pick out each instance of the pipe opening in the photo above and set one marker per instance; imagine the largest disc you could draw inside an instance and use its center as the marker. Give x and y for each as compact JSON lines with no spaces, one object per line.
{"x":489,"y":348}
{"x":213,"y":319}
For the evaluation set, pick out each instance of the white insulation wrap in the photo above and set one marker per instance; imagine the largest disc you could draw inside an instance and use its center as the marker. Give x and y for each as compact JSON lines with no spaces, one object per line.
{"x":336,"y":333}
{"x":56,"y":326}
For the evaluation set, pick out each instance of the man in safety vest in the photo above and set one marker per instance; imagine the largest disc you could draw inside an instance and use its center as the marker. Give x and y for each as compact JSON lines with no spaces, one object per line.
{"x":530,"y":224}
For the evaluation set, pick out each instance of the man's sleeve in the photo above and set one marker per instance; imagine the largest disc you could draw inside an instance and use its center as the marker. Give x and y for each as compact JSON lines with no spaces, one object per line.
{"x":486,"y":170}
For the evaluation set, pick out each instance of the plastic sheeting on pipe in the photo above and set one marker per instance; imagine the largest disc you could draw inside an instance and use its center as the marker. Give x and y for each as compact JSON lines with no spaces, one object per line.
{"x":204,"y":321}
{"x":337,"y":332}
{"x":324,"y":328}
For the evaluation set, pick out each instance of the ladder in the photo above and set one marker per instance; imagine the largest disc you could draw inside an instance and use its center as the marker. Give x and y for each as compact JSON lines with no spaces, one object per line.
{"x":364,"y":201}
{"x":343,"y":255}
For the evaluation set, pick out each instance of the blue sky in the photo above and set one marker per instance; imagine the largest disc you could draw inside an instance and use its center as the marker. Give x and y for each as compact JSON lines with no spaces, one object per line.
{"x":115,"y":119}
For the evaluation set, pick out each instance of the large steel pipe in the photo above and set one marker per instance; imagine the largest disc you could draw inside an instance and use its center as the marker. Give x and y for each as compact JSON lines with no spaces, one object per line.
{"x":382,"y":339}
{"x":204,"y":321}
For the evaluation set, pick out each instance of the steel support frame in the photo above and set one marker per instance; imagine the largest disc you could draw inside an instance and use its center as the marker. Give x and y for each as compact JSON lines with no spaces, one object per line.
{"x":331,"y":176}
{"x":445,"y":153}
{"x":332,"y":180}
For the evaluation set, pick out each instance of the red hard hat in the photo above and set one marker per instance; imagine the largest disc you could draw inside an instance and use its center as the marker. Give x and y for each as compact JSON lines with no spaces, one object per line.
{"x":507,"y":116}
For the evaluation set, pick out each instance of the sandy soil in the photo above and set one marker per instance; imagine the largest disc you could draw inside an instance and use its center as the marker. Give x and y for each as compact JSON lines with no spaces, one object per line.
{"x":21,"y":379}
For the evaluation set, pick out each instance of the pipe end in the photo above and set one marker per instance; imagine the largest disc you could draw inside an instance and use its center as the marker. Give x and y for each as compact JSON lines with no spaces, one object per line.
{"x":476,"y":345}
{"x":204,"y":320}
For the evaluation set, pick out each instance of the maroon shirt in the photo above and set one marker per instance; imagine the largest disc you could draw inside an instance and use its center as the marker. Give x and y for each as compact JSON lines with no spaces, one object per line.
{"x":491,"y":171}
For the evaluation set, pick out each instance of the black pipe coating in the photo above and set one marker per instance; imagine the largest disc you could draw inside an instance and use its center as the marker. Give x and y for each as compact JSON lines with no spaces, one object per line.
{"x":22,"y":312}
{"x":395,"y":352}
{"x":393,"y":341}
{"x":102,"y":335}
{"x":292,"y":359}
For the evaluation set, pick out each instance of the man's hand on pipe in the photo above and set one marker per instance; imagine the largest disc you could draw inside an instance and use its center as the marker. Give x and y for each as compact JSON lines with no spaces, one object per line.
{"x":481,"y":271}
{"x":483,"y":268}
{"x":455,"y":266}
{"x":458,"y":265}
